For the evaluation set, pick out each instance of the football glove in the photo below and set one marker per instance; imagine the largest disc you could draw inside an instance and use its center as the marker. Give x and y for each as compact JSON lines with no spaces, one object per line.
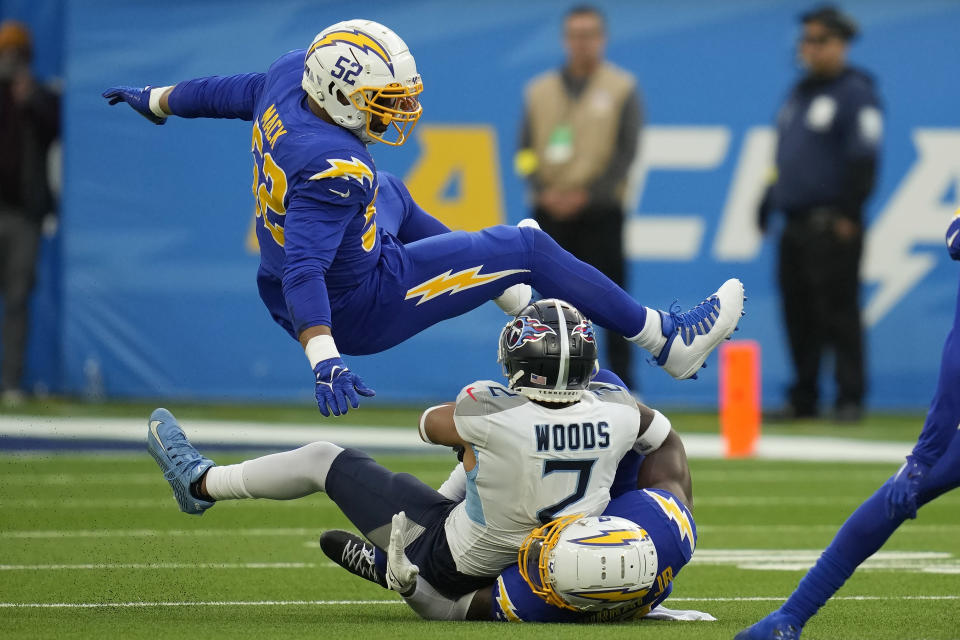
{"x":953,"y":237}
{"x":336,"y":386}
{"x":138,"y":98}
{"x":904,"y":488}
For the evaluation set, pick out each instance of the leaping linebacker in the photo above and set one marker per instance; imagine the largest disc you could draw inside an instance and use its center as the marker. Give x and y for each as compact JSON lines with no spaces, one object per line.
{"x":932,"y":469}
{"x":329,"y":272}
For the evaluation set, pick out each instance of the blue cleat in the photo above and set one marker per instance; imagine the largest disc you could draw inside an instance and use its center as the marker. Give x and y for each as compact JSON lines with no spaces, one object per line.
{"x":776,"y":626}
{"x":694,"y":334}
{"x":180,"y":462}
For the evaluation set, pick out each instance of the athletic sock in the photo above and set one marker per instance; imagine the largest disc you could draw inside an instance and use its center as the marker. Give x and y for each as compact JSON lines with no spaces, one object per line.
{"x":651,"y":336}
{"x":555,"y":273}
{"x":864,"y":532}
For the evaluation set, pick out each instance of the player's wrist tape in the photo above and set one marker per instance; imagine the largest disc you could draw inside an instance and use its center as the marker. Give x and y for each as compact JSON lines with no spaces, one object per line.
{"x":320,"y":348}
{"x":155,"y":94}
{"x":423,"y":424}
{"x":654,"y":436}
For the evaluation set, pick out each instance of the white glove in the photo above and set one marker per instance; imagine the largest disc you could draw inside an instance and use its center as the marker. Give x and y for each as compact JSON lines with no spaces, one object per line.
{"x":401,"y":573}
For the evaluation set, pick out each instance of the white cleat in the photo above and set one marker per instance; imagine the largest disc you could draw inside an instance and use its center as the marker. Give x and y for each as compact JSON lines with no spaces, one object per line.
{"x":694,"y":334}
{"x":401,"y":573}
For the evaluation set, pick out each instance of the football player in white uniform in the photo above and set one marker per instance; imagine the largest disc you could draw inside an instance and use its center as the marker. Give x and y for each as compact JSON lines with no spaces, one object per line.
{"x":543,"y":446}
{"x":618,"y":566}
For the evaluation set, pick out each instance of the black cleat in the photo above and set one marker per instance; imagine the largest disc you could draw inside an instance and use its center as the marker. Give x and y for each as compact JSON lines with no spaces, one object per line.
{"x":353,"y":553}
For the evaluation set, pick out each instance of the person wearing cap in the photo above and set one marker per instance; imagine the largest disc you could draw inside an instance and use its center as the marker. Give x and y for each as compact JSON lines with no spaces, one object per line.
{"x":29,"y":122}
{"x":578,"y":138}
{"x":828,"y":143}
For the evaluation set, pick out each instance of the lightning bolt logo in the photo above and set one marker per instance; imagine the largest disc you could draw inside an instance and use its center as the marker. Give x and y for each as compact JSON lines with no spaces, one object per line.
{"x":612,"y":595}
{"x":354,"y":38}
{"x":456,"y":282}
{"x":504,"y":602}
{"x":675,"y":513}
{"x":612,"y":538}
{"x":353,"y":168}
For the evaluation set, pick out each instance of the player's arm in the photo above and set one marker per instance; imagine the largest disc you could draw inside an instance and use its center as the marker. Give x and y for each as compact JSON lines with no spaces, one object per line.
{"x":314,"y":228}
{"x":211,"y":97}
{"x":665,"y":466}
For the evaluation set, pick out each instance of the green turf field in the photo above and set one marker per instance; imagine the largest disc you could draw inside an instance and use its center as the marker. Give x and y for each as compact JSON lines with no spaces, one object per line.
{"x":101,"y":530}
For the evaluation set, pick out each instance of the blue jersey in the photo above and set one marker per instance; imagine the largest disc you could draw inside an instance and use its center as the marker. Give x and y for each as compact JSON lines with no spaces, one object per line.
{"x":674,"y":534}
{"x":320,"y":210}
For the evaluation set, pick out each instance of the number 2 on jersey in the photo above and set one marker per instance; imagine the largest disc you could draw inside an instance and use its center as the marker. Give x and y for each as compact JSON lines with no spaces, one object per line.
{"x":582,"y":469}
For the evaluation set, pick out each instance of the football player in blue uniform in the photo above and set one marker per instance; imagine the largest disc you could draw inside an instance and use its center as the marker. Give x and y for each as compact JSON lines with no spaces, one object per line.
{"x":650,"y":528}
{"x":932,"y":469}
{"x":331,"y":276}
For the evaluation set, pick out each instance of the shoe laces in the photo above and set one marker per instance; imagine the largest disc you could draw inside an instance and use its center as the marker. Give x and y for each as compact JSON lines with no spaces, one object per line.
{"x":359,"y":559}
{"x":696,"y":321}
{"x":180,"y":451}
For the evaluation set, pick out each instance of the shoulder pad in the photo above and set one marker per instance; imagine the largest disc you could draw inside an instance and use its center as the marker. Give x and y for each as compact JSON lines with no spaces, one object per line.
{"x":484,"y":397}
{"x":611,"y":393}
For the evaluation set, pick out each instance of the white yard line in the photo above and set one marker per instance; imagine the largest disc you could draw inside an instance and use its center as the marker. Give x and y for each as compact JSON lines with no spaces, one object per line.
{"x":312,"y":603}
{"x":257,"y":435}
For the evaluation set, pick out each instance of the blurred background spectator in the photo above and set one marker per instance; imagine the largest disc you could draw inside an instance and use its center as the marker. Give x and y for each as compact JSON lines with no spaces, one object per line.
{"x":29,"y":122}
{"x":828,"y":136}
{"x":578,"y":139}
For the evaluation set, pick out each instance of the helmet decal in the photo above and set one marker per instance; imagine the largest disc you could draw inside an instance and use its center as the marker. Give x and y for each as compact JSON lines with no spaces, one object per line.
{"x":585,"y":331}
{"x":526,"y":329}
{"x":354,"y":38}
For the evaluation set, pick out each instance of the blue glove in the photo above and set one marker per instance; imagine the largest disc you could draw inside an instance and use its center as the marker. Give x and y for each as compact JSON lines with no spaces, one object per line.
{"x":336,"y":385}
{"x":902,"y":494}
{"x":953,"y":237}
{"x":136,"y":97}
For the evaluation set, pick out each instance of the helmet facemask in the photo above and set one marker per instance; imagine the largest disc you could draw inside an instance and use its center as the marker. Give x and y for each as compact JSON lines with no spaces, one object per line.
{"x":393,"y":107}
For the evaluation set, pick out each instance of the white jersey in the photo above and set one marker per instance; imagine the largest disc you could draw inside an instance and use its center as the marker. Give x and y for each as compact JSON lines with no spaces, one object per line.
{"x":534,"y":464}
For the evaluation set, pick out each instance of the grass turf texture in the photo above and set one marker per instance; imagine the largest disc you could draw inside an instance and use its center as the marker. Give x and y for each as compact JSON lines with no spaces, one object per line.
{"x":116,"y":510}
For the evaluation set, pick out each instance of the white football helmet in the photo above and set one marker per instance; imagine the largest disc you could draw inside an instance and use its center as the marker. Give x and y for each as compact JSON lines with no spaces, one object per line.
{"x":588,"y":563}
{"x":362,"y":74}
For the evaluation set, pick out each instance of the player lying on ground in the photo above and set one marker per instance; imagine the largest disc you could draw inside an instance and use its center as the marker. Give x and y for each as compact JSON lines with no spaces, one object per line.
{"x":522,"y":467}
{"x":932,"y":469}
{"x":329,"y":271}
{"x":560,"y":576}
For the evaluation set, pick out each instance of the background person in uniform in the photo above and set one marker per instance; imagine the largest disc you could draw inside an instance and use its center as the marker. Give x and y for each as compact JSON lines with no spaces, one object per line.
{"x":828,"y":135}
{"x":29,"y":122}
{"x":578,"y":139}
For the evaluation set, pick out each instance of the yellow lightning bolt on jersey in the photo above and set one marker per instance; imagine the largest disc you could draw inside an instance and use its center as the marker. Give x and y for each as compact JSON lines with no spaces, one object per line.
{"x":353,"y":168}
{"x":504,"y":602}
{"x":456,"y":282}
{"x":675,"y":513}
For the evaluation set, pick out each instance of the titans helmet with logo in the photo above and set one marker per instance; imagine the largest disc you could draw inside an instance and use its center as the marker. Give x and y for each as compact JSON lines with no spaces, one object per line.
{"x":364,"y":76}
{"x":589,"y":563}
{"x":549,"y":351}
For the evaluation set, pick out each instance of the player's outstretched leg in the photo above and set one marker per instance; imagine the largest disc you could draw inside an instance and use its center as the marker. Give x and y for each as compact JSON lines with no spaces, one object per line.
{"x":447,"y":275}
{"x":181,"y":463}
{"x":354,"y":554}
{"x":680,"y":341}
